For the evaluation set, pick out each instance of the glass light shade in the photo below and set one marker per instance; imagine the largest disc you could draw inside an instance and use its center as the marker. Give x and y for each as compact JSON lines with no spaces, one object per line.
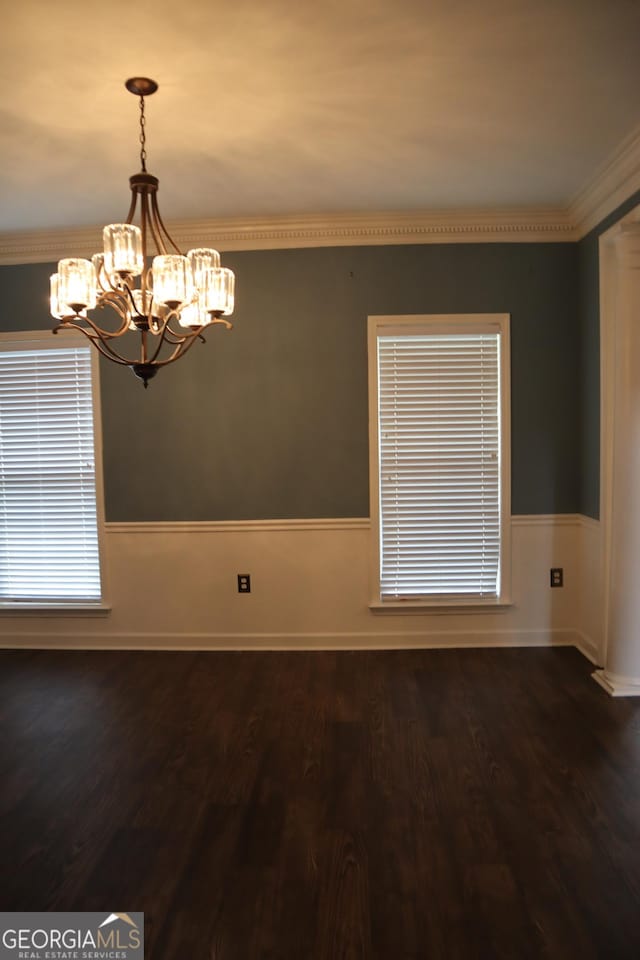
{"x":172,"y":280}
{"x":123,"y":249}
{"x":59,"y":310}
{"x":217,"y":290}
{"x":200,"y":259}
{"x":193,"y":315}
{"x":77,"y":284}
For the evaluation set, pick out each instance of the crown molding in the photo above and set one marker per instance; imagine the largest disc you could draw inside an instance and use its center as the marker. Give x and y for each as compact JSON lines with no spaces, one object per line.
{"x":525,"y":225}
{"x":615,"y":182}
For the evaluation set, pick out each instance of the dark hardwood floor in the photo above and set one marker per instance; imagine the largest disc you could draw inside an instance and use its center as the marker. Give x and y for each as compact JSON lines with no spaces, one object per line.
{"x":401,"y":805}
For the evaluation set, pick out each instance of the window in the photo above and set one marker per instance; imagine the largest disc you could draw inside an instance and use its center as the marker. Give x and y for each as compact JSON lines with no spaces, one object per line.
{"x":440,"y":488}
{"x":50,"y":494}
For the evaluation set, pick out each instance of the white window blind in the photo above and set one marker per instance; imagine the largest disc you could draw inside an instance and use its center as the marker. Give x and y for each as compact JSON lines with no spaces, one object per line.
{"x":48,"y":518}
{"x":439,"y":465}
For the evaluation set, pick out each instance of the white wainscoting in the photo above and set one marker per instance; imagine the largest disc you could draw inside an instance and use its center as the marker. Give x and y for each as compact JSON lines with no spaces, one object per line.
{"x":173,"y":586}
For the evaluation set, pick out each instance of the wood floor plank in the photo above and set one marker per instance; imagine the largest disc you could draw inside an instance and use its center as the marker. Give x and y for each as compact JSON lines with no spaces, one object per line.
{"x":408,"y":805}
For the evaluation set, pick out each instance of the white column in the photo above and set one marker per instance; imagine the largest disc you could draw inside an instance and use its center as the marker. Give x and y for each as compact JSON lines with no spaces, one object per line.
{"x":621,"y":673}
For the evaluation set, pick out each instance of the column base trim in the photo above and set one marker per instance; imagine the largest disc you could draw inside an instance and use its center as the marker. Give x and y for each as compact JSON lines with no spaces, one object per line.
{"x":617,"y":686}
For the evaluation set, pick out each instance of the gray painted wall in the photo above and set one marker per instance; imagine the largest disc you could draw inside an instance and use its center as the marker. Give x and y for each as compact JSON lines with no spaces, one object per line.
{"x":270,"y":420}
{"x":589,"y":338}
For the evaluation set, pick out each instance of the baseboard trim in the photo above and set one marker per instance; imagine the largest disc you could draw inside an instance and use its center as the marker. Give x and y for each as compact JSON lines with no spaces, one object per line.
{"x":616,"y":687}
{"x":294,"y":641}
{"x":588,"y":649}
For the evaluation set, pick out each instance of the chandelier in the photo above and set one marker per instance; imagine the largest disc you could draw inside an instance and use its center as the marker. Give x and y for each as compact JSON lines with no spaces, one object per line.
{"x":166,"y":301}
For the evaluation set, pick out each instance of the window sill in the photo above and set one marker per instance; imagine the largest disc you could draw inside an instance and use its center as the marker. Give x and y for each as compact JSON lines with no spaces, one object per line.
{"x":44,"y":609}
{"x":396,"y":607}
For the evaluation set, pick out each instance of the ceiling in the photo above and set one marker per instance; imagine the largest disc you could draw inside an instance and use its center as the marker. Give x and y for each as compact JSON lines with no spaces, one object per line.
{"x":295,"y":107}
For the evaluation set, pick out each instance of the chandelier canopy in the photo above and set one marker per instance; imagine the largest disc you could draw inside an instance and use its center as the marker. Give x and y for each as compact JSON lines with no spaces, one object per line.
{"x":168,"y":299}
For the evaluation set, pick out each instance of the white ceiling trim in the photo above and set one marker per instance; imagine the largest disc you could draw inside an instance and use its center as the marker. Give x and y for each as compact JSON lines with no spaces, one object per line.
{"x":617,"y":180}
{"x":272,"y":233}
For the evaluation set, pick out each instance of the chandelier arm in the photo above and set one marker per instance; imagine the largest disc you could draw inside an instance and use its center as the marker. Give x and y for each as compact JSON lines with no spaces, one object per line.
{"x":101,"y":334}
{"x":146,"y":291}
{"x":176,"y":335}
{"x":161,"y":341}
{"x":107,"y":351}
{"x":147,"y":222}
{"x":160,"y":223}
{"x":100,"y":273}
{"x":132,"y":206}
{"x":119,"y":300}
{"x":178,"y":341}
{"x":144,"y":213}
{"x":115,"y":300}
{"x":171,"y":336}
{"x":179,"y":351}
{"x":196,"y":331}
{"x":130,"y":301}
{"x":154,"y":225}
{"x":98,"y":342}
{"x":194,"y":335}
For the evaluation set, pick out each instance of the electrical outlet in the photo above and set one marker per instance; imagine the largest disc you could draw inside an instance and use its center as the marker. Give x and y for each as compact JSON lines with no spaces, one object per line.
{"x":556,"y":577}
{"x":244,"y":583}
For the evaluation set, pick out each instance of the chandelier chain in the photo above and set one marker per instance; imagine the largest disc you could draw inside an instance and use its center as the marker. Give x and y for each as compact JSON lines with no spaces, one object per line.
{"x":143,"y":138}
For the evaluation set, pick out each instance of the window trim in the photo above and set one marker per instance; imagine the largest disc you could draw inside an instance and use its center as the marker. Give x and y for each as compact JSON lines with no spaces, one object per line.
{"x":441,"y":323}
{"x":45,"y":340}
